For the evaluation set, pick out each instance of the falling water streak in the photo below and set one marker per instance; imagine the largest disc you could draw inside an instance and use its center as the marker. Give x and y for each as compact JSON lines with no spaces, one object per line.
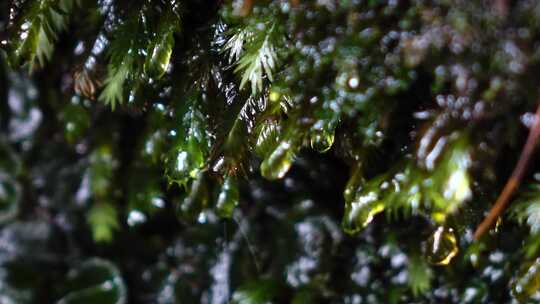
{"x":250,"y":246}
{"x":220,"y":289}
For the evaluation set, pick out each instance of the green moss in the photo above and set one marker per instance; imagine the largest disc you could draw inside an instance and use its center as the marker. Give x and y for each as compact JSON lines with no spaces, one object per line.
{"x":220,"y":141}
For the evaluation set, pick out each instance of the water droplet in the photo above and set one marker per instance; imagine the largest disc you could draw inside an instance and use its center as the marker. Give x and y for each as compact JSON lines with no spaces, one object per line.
{"x":458,"y":187}
{"x":132,"y":95}
{"x":196,"y":201}
{"x":321,"y":141}
{"x":322,"y":134}
{"x":353,"y":82}
{"x":438,"y":217}
{"x":274,"y":96}
{"x":153,"y":146}
{"x":136,"y":217}
{"x":360,"y":212}
{"x":268,"y":138}
{"x":184,"y":162}
{"x":218,"y":165}
{"x":474,"y":259}
{"x":228,"y":197}
{"x":497,"y":226}
{"x":202,"y":218}
{"x":276,"y":165}
{"x":441,"y":246}
{"x":158,"y":202}
{"x":356,"y":180}
{"x":181,"y":161}
{"x":159,"y":56}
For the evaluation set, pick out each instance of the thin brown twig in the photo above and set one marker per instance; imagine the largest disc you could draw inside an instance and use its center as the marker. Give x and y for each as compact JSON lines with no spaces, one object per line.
{"x":513,"y":182}
{"x":246,"y":7}
{"x":501,"y":7}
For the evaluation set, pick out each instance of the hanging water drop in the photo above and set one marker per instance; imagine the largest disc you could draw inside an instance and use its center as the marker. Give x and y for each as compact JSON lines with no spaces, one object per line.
{"x":497,"y":226}
{"x":322,"y":135}
{"x":228,"y":197}
{"x":181,"y":161}
{"x":268,"y":138}
{"x":274,"y":96}
{"x":157,"y":202}
{"x":196,"y":200}
{"x":441,"y":246}
{"x":356,"y":180}
{"x":153,"y":146}
{"x":202,"y":218}
{"x":360,"y":212}
{"x":276,"y":165}
{"x":322,"y":141}
{"x":184,"y":162}
{"x":159,"y":56}
{"x":353,"y":82}
{"x":136,"y":217}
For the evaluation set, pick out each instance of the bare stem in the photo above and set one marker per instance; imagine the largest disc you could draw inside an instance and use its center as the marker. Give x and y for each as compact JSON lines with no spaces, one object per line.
{"x":513,"y":182}
{"x":246,"y":7}
{"x":501,"y":7}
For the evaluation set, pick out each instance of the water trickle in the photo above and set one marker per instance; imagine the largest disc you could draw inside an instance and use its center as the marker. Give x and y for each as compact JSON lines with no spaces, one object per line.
{"x":360,"y":212}
{"x":441,"y":246}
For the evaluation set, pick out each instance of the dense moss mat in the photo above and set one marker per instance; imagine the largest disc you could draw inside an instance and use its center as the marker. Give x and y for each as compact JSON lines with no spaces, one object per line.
{"x":278,"y":151}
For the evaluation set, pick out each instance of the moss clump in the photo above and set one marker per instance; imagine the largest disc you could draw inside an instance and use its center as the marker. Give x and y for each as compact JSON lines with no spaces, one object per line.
{"x":259,"y":151}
